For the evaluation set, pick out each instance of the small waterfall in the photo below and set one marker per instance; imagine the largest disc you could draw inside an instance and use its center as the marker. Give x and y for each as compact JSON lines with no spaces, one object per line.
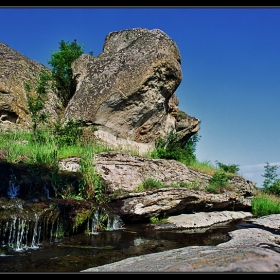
{"x":114,"y":223}
{"x":13,"y":187}
{"x":17,"y":234}
{"x":46,"y":189}
{"x":94,"y":222}
{"x":36,"y":234}
{"x":20,"y":232}
{"x":117,"y":223}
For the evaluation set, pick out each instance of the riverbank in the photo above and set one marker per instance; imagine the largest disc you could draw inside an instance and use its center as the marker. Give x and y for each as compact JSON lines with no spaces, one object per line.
{"x":249,"y":250}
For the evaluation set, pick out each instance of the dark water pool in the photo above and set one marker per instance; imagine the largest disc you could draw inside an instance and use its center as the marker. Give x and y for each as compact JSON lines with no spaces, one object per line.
{"x":81,"y":251}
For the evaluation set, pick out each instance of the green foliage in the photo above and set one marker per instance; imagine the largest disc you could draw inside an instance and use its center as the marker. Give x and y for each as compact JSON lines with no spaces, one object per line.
{"x":150,"y":184}
{"x":195,"y":185}
{"x":218,"y":182}
{"x":82,"y":217}
{"x":157,"y":220}
{"x":56,"y":181}
{"x":67,"y":134}
{"x":169,"y":148}
{"x":271,"y":182}
{"x":232,"y":168}
{"x":182,"y":115}
{"x":62,"y":72}
{"x":44,"y":82}
{"x":264,"y":204}
{"x":36,"y":101}
{"x":91,"y":185}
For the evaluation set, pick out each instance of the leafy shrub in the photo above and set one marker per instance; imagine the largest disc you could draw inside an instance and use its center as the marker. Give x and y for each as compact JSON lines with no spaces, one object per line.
{"x":68,"y":134}
{"x":169,"y":148}
{"x":232,"y":168}
{"x":150,"y":184}
{"x":218,"y":182}
{"x":157,"y":220}
{"x":36,"y":101}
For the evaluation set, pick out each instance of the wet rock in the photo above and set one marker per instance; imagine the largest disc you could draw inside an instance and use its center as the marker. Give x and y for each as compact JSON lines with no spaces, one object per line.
{"x":248,"y":250}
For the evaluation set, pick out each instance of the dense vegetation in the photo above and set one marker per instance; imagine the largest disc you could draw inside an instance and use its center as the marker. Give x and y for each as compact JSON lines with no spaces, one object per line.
{"x":46,"y":143}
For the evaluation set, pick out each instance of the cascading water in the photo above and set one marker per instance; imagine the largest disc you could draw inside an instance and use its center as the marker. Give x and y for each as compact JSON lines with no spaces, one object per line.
{"x":46,"y":189}
{"x":15,"y":235}
{"x":29,"y":217}
{"x":114,"y":222}
{"x":94,"y":222}
{"x":30,"y":227}
{"x":13,"y":187}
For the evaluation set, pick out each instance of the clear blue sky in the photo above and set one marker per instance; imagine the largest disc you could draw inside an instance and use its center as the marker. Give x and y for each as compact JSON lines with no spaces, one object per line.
{"x":230,"y":65}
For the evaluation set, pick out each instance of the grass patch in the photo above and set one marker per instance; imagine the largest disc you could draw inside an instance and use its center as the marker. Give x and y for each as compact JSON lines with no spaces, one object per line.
{"x":264,"y":204}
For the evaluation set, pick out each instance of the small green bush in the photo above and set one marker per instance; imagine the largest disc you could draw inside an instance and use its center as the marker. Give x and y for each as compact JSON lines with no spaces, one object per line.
{"x":150,"y":184}
{"x":218,"y":182}
{"x":157,"y":220}
{"x":169,"y":148}
{"x":68,"y":134}
{"x":232,"y":168}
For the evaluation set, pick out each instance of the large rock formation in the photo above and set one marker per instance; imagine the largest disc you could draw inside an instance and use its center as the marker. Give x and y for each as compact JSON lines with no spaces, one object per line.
{"x":123,"y":174}
{"x":128,"y":93}
{"x":128,"y":90}
{"x":15,"y":71}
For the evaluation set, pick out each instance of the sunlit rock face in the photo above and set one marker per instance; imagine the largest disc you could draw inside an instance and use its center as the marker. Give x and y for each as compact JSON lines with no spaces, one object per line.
{"x":17,"y":70}
{"x":128,"y":91}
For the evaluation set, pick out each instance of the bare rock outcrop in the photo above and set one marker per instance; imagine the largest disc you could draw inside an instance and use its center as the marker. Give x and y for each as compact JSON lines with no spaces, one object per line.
{"x":123,"y":174}
{"x":248,"y":250}
{"x":15,"y":71}
{"x":128,"y":91}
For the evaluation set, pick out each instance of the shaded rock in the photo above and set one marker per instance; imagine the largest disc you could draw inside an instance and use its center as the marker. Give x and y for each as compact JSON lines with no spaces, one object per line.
{"x":173,"y":201}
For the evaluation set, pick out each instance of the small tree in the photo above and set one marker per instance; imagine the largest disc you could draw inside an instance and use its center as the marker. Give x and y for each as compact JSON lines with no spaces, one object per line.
{"x":36,"y":101}
{"x":271,"y":183}
{"x":61,"y":68}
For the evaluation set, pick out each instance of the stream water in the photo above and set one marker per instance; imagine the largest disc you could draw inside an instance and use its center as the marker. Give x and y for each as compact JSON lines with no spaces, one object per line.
{"x":81,"y":251}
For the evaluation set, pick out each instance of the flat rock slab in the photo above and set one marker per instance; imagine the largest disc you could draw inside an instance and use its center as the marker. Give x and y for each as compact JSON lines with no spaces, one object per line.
{"x":248,"y":250}
{"x":206,"y":219}
{"x":199,"y":259}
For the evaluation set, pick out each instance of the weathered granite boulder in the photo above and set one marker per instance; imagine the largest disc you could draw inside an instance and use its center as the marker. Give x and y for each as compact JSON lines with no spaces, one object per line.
{"x":127,"y":91}
{"x":15,"y":71}
{"x":123,"y":174}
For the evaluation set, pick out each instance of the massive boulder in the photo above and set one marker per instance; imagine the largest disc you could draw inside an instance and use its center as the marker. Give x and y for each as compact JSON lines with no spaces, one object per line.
{"x":128,"y":91}
{"x":16,"y":70}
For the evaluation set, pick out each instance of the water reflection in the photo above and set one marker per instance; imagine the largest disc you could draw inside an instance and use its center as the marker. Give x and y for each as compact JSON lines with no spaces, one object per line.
{"x":81,"y":251}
